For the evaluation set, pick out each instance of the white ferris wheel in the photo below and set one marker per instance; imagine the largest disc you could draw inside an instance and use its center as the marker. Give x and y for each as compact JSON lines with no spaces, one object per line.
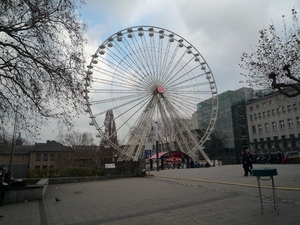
{"x":149,"y":76}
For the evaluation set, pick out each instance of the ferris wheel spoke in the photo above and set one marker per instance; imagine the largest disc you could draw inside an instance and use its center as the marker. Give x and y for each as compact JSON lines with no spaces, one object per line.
{"x":132,"y":61}
{"x":132,"y":115}
{"x":148,"y":60}
{"x":140,"y":58}
{"x":123,"y":72}
{"x":115,"y":99}
{"x":137,"y":101}
{"x":180,"y":77}
{"x":171,"y":61}
{"x":181,"y":128}
{"x":153,"y":56}
{"x":187,"y":109}
{"x":118,"y":84}
{"x":185,"y":81}
{"x":117,"y":91}
{"x":188,"y":87}
{"x":171,"y":74}
{"x":166,"y":58}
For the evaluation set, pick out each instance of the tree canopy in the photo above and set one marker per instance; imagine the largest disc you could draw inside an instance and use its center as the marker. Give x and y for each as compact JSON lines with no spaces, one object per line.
{"x":76,"y":138}
{"x":41,"y":61}
{"x":276,"y":61}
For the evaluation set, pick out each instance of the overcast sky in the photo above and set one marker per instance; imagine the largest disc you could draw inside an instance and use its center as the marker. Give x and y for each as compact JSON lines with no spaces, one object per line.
{"x":220,"y":30}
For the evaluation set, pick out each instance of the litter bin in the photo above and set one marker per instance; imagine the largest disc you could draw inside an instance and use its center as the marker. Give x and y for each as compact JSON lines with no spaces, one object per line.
{"x":265,"y":174}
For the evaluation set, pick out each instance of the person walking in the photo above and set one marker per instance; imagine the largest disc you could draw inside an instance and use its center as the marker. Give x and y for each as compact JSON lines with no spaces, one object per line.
{"x":250,"y":161}
{"x":182,"y":162}
{"x":269,"y":157}
{"x":4,"y":183}
{"x":245,"y":162}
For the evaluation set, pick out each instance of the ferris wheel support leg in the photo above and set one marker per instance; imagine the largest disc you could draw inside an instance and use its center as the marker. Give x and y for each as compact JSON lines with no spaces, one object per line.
{"x":156,"y":146}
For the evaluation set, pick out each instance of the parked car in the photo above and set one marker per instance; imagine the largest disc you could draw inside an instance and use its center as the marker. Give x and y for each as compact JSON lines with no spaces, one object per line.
{"x":294,"y":154}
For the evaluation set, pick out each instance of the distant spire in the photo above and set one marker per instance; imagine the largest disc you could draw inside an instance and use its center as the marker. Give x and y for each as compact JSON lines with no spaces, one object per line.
{"x":110,"y":129}
{"x":19,"y":140}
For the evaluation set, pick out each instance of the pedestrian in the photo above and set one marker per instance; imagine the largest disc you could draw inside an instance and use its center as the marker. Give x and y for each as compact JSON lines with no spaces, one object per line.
{"x":285,"y":157}
{"x":250,"y":161}
{"x":279,"y":157}
{"x":255,"y":157}
{"x":245,"y":162}
{"x":4,"y":182}
{"x":269,"y":157}
{"x":182,"y":162}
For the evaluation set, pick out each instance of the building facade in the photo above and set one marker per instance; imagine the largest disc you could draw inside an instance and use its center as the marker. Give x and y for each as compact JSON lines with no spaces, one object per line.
{"x":230,"y":133}
{"x":274,"y":122}
{"x":51,"y":155}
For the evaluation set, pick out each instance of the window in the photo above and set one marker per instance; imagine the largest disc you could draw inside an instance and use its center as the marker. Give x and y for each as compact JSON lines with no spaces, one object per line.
{"x":255,"y":117}
{"x":278,"y":111}
{"x":267,"y":127}
{"x":283,"y":109}
{"x":37,"y":167}
{"x":251,"y":108}
{"x":264,"y":115}
{"x":51,"y":166}
{"x":257,"y":106}
{"x":274,"y":125}
{"x":264,"y":104}
{"x":295,"y":106}
{"x":281,"y":122}
{"x":251,"y":119}
{"x":290,"y":122}
{"x":298,"y":121}
{"x":44,"y":167}
{"x":45,"y":157}
{"x":289,"y":108}
{"x":259,"y":115}
{"x":260,"y":129}
{"x":271,"y":102}
{"x":52,"y":157}
{"x":38,"y":157}
{"x":273,"y":112}
{"x":253,"y":130}
{"x":268,"y":113}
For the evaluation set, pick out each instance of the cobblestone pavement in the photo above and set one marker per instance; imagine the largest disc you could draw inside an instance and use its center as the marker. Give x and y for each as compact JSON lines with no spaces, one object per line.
{"x":214,"y":195}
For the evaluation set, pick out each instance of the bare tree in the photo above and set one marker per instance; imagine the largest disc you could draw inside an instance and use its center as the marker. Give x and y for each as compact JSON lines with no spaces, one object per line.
{"x":41,"y":61}
{"x":276,"y":61}
{"x":76,"y":138}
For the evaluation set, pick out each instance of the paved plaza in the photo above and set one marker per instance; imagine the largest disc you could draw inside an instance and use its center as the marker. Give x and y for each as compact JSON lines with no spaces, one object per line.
{"x":207,"y":196}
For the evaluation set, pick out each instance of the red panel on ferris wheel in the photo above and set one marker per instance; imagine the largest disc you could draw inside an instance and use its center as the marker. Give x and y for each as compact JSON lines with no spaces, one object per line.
{"x":160,"y":89}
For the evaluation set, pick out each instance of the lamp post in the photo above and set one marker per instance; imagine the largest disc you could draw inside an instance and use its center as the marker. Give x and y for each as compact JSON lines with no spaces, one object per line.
{"x":12,"y":143}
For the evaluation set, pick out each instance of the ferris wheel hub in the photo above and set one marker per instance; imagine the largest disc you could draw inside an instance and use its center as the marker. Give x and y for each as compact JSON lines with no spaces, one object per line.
{"x":160,"y":89}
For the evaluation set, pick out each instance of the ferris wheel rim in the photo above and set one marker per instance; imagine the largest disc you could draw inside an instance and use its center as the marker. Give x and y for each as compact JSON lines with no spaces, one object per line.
{"x":160,"y":89}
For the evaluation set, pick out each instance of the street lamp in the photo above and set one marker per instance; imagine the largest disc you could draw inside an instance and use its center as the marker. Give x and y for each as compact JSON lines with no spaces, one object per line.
{"x":12,"y":143}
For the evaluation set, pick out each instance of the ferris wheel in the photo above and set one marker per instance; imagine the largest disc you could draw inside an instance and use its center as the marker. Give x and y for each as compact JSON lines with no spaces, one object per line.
{"x":157,"y":87}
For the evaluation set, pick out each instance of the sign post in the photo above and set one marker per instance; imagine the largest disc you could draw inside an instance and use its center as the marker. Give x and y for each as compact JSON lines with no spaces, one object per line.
{"x":148,"y":153}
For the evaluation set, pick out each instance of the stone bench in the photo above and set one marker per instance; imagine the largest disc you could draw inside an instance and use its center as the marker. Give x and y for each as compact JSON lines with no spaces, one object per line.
{"x":29,"y":192}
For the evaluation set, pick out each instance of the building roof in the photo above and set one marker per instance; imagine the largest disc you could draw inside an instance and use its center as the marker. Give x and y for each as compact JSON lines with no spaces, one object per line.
{"x":50,"y":146}
{"x":18,"y":149}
